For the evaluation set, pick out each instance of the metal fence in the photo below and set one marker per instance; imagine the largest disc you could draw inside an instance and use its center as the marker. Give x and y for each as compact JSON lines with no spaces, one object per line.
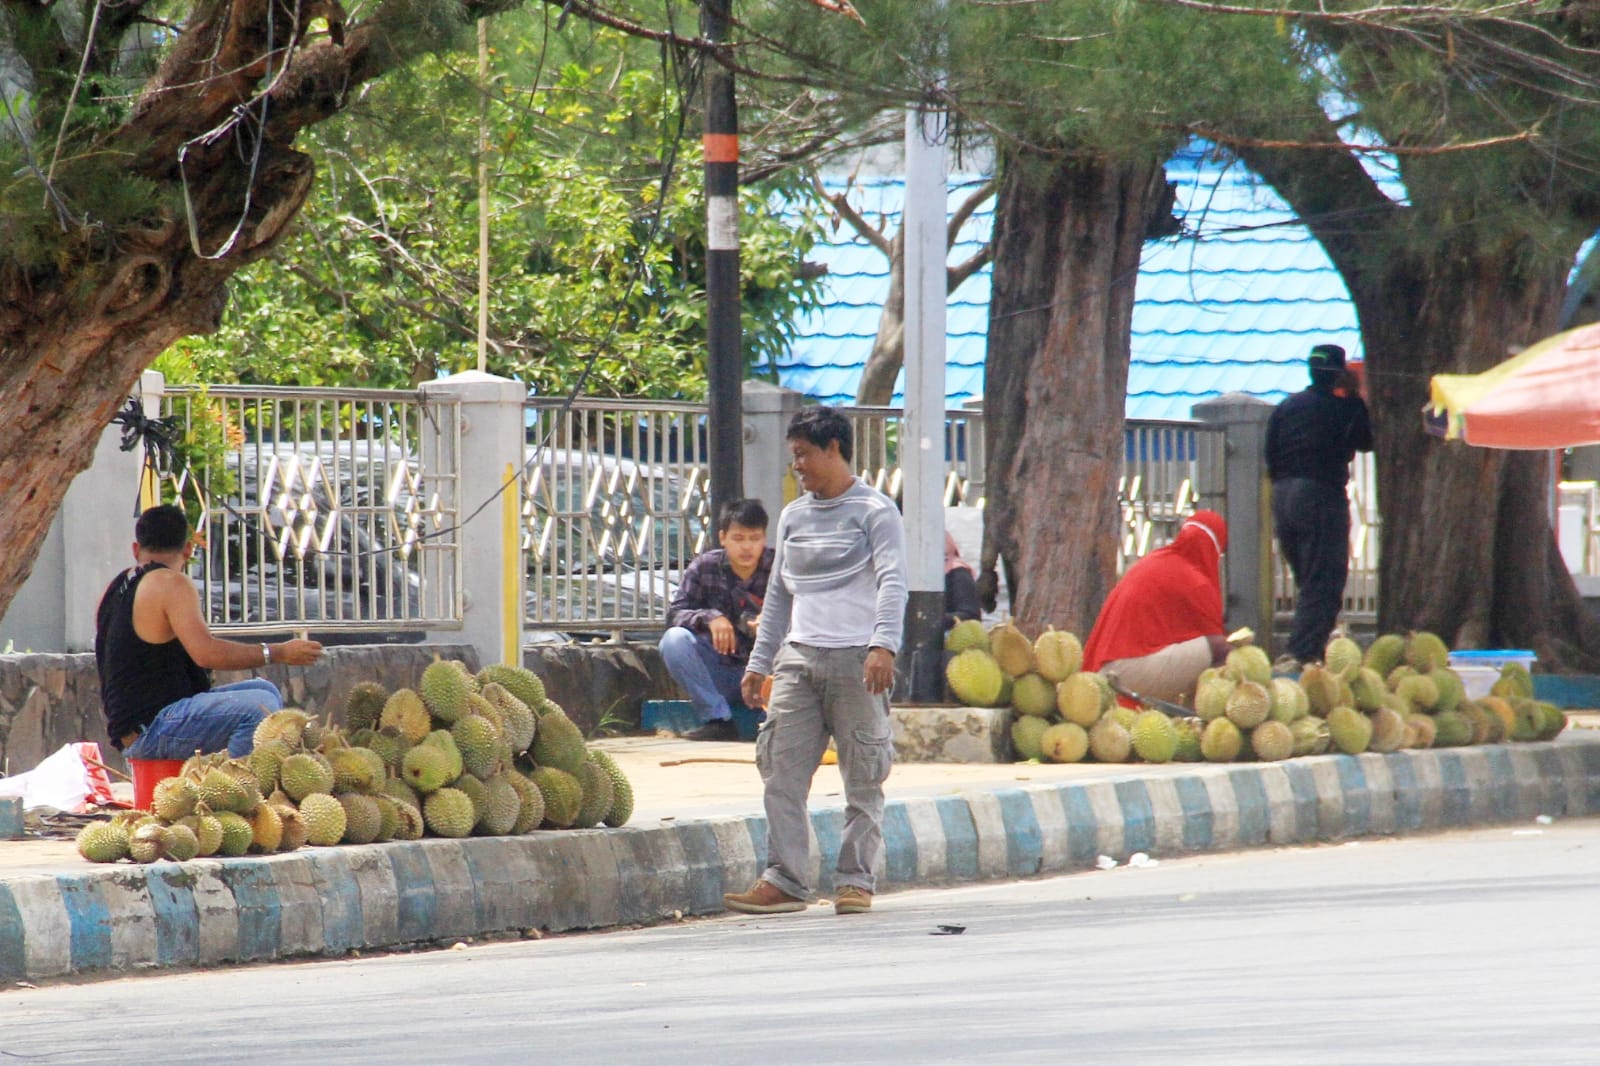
{"x":319,"y":509}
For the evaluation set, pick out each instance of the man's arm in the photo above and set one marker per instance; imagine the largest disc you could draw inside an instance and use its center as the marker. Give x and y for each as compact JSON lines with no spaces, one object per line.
{"x":178,"y":608}
{"x":774,"y":623}
{"x":690,"y":607}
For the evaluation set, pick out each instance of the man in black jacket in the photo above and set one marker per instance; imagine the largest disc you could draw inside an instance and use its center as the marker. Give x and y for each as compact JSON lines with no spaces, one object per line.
{"x":1311,"y":439}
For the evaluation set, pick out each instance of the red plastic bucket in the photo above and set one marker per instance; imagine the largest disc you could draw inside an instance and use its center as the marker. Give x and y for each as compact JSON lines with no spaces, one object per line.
{"x":147,"y":774}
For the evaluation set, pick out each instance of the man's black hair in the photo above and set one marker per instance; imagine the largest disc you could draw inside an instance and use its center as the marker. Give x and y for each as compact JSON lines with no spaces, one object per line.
{"x":747,"y":513}
{"x":818,"y":425}
{"x":1326,"y":363}
{"x":163,"y":528}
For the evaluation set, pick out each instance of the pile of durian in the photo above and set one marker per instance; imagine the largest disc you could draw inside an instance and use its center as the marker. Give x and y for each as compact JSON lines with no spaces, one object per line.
{"x":485,"y":755}
{"x":1399,"y":693}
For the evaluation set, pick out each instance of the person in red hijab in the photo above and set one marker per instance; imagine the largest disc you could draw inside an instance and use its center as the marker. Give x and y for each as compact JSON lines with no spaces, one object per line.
{"x":1162,"y":624}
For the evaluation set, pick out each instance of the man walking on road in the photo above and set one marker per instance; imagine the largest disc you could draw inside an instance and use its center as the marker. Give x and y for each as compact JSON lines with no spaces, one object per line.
{"x":1311,"y":438}
{"x":829,"y":632}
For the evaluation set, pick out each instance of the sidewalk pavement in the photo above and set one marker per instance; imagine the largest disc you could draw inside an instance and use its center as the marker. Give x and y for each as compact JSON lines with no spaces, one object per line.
{"x":698,"y":831}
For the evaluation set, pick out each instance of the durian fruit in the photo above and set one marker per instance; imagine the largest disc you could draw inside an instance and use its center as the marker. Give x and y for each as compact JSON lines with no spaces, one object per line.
{"x":441,"y":739}
{"x":364,"y":705}
{"x":563,"y":795}
{"x":1321,"y":688}
{"x":237,"y":834}
{"x":1189,"y":731}
{"x":1081,"y":700}
{"x":428,"y":768}
{"x":182,"y":845}
{"x":1529,"y":720}
{"x":206,"y":829}
{"x":1451,"y":730}
{"x":396,"y":789}
{"x":1386,"y":653}
{"x":521,"y":682}
{"x":388,"y":818}
{"x":406,"y":714}
{"x":222,"y":791}
{"x":444,"y":688}
{"x":1485,"y":723}
{"x":559,"y":743}
{"x":1031,"y":694}
{"x":1064,"y":742}
{"x":1388,"y":730}
{"x":1272,"y":741}
{"x":449,"y":813}
{"x":1027,"y":730}
{"x":303,"y":773}
{"x":1350,"y":729}
{"x":1251,"y":664}
{"x":1154,"y":737}
{"x":1249,"y":704}
{"x":621,"y":791}
{"x":103,"y":842}
{"x":1289,"y":702}
{"x":1554,"y":720}
{"x":1211,"y":696}
{"x":1502,"y":710}
{"x":1057,"y":655}
{"x":1425,"y":652}
{"x":502,"y":804}
{"x":324,"y":818}
{"x":1012,"y":651}
{"x":1123,"y":716}
{"x":968,"y":633}
{"x":1310,"y":736}
{"x":410,"y":825}
{"x":1221,"y":741}
{"x":149,"y":843}
{"x":1397,"y":675}
{"x":1367,"y":689}
{"x":1420,"y":731}
{"x":174,"y":798}
{"x":479,"y":743}
{"x":1109,"y":741}
{"x":596,"y":795}
{"x":1419,"y":690}
{"x":363,"y":818}
{"x":357,"y":770}
{"x":287,"y":725}
{"x":1516,"y":682}
{"x":1451,"y":690}
{"x":387,"y":742}
{"x":266,"y":762}
{"x":518,"y":720}
{"x":294,"y":827}
{"x":1342,"y":656}
{"x":532,"y":812}
{"x":974,"y":677}
{"x":472,"y":785}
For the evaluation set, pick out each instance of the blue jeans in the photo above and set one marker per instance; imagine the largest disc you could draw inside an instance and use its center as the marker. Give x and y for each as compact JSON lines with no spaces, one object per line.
{"x":710,"y":680}
{"x":225,"y":717}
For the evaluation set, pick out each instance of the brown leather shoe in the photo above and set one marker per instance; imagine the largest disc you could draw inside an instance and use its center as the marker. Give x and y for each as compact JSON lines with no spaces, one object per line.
{"x":852,"y":900}
{"x":764,"y":897}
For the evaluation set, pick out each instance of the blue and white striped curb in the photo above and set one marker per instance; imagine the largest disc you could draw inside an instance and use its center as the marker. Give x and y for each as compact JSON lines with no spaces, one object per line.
{"x":329,"y":901}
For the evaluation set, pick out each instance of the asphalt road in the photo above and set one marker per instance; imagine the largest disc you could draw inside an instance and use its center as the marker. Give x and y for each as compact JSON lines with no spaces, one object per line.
{"x":1470,"y":947}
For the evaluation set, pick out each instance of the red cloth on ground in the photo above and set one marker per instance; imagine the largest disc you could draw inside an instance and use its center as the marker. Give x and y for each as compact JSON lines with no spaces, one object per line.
{"x":1172,"y":595}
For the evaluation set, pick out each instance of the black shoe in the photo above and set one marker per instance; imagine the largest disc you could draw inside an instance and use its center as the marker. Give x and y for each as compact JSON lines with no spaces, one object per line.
{"x":716,"y":729}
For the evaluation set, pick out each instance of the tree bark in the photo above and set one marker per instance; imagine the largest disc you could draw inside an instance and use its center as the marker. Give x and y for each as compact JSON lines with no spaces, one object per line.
{"x":1068,"y":236}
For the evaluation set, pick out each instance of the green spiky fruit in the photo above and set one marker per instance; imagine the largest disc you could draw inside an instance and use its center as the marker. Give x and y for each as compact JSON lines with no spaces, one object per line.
{"x":1310,"y":736}
{"x":1388,"y":730}
{"x":1386,"y":653}
{"x":266,"y":762}
{"x":1419,"y":690}
{"x":325,"y":819}
{"x":441,"y":739}
{"x":1289,"y":702}
{"x":1249,"y":704}
{"x":1451,"y":730}
{"x":965,"y":634}
{"x":1123,"y":716}
{"x":237,"y":834}
{"x":1026,"y":731}
{"x":1189,"y":732}
{"x":363,"y":705}
{"x":266,"y":827}
{"x":103,"y":842}
{"x":1109,"y":741}
{"x":1518,"y":681}
{"x":174,"y":798}
{"x":221,"y":791}
{"x":1451,"y":691}
{"x":444,"y":688}
{"x":388,"y":818}
{"x":400,"y":792}
{"x":149,"y":843}
{"x":182,"y":844}
{"x":547,"y":707}
{"x":1251,"y":663}
{"x":1211,"y":696}
{"x":563,"y":795}
{"x":479,"y":743}
{"x":363,"y":818}
{"x":303,"y":773}
{"x":207,"y":832}
{"x":1321,"y":688}
{"x":389,"y":745}
{"x":975,"y":679}
{"x":559,"y":743}
{"x":1420,"y":731}
{"x":1350,"y":729}
{"x":596,"y":799}
{"x":1064,"y":742}
{"x":1553,"y":720}
{"x":1425,"y":652}
{"x":427,"y":768}
{"x":449,"y":813}
{"x":621,"y":789}
{"x":1031,"y":694}
{"x":1080,"y":699}
{"x":406,"y":714}
{"x":473,"y":787}
{"x":294,"y":828}
{"x":1367,"y":689}
{"x":1485,"y":723}
{"x":532,"y":812}
{"x":1342,"y":657}
{"x":1529,"y":719}
{"x":1272,"y":741}
{"x":357,"y":769}
{"x":1057,"y":655}
{"x":1221,"y":741}
{"x":410,"y":824}
{"x":521,"y":682}
{"x":497,"y":815}
{"x":287,"y":725}
{"x":1012,"y":650}
{"x":518,"y":722}
{"x":1154,"y":737}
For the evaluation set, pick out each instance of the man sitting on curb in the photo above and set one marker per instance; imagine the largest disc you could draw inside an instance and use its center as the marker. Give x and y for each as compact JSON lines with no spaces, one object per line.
{"x":714,"y":617}
{"x":155,"y":652}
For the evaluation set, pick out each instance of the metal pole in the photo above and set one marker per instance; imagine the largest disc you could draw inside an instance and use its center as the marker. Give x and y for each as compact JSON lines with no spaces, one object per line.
{"x":724,"y":361}
{"x":483,"y":195}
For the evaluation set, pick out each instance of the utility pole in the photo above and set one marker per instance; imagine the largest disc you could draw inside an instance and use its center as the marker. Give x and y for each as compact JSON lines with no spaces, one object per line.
{"x":724,"y":358}
{"x":483,"y":195}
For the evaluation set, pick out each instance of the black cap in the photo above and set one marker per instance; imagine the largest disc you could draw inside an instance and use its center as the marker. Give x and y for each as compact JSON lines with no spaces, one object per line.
{"x":1327,"y":357}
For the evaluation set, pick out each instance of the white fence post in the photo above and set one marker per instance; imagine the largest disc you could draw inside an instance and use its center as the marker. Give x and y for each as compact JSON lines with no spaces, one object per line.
{"x":767,"y":411}
{"x":489,"y":468}
{"x":1248,"y":596}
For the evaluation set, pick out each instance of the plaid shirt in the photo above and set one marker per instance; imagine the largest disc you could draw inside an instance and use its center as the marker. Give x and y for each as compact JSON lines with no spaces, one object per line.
{"x":710,"y":589}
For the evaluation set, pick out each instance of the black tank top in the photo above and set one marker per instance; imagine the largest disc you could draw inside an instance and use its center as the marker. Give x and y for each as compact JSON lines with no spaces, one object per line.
{"x":138,"y":678}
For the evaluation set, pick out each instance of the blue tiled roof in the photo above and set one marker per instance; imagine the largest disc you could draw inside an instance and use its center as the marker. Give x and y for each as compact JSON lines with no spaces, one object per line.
{"x":1231,"y":305}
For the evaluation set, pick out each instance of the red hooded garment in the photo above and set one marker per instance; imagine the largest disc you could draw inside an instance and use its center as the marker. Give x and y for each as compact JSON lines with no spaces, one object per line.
{"x":1172,"y":595}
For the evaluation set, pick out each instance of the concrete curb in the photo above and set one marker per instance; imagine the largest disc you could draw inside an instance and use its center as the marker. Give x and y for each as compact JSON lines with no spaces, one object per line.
{"x":329,"y":901}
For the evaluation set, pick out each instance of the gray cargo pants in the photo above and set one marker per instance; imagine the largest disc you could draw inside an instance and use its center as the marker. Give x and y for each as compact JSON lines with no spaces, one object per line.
{"x":818,"y":692}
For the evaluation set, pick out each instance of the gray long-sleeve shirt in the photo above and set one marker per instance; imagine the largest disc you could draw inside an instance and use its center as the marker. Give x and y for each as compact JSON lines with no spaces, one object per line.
{"x":838,"y":576}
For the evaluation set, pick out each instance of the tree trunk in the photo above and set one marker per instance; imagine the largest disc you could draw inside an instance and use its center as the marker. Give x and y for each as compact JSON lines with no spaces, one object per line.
{"x":1068,"y":236}
{"x":889,"y":344}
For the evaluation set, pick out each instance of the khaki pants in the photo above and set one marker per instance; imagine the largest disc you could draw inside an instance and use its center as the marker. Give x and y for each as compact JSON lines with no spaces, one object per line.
{"x":818,"y":693}
{"x":1169,"y":674}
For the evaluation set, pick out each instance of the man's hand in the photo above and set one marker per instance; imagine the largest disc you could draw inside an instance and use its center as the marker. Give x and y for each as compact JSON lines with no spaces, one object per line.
{"x":722,"y":638}
{"x":879,"y":671}
{"x":750,"y":689}
{"x":297,"y":652}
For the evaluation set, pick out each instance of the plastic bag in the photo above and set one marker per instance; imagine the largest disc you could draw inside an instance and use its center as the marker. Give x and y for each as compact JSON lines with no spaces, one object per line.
{"x":73,"y":779}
